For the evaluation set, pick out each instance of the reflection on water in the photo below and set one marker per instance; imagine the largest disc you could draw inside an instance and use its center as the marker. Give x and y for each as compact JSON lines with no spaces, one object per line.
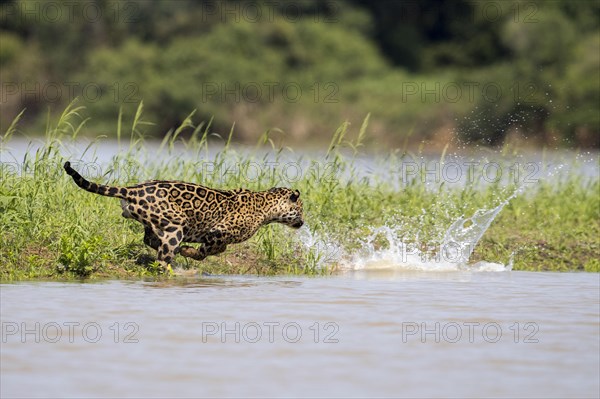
{"x":363,"y":333}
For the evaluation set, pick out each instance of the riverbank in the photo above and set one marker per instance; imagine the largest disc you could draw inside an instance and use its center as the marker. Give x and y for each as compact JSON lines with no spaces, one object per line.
{"x":51,"y":229}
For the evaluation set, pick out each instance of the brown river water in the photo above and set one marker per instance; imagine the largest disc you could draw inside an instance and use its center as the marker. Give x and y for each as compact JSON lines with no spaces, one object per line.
{"x":364,"y":333}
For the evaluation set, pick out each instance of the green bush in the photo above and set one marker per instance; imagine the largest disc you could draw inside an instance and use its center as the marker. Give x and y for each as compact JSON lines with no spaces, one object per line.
{"x":233,"y":68}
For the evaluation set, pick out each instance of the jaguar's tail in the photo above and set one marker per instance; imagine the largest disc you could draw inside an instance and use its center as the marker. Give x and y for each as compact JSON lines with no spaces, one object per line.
{"x":109,"y":191}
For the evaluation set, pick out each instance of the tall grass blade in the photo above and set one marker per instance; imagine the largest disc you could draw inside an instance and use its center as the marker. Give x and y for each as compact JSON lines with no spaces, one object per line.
{"x":338,"y":137}
{"x":119,"y":126}
{"x":11,"y":129}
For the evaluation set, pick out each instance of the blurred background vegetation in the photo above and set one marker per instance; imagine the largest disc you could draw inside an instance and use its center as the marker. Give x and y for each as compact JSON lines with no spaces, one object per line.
{"x":460,"y":72}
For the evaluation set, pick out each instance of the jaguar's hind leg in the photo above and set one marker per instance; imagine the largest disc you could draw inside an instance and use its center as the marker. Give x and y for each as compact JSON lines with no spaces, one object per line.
{"x":150,"y":239}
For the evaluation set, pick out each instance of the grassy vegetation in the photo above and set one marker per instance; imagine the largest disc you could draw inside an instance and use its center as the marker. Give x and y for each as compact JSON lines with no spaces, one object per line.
{"x":52,"y":229}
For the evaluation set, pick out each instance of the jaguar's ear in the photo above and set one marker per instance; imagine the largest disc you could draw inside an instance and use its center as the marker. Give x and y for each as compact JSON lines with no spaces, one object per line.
{"x":295,"y":195}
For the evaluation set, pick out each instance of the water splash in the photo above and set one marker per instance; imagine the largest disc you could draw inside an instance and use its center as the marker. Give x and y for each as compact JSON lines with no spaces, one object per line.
{"x":462,"y":237}
{"x":451,"y":254}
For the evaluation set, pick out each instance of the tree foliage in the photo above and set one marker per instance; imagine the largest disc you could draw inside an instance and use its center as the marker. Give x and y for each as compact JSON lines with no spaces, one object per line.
{"x":304,"y":65}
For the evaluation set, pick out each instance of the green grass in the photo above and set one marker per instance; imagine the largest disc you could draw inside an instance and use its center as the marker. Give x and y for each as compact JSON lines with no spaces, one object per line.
{"x":51,"y":229}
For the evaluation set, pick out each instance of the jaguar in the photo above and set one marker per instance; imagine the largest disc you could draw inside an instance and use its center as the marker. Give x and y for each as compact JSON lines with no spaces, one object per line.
{"x":176,"y":212}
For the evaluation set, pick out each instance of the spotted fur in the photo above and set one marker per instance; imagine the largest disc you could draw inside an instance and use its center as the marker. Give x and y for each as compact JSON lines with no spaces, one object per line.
{"x":175,"y":212}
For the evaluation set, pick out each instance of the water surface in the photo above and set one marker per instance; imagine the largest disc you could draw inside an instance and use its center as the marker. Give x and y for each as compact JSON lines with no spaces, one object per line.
{"x":362,"y":334}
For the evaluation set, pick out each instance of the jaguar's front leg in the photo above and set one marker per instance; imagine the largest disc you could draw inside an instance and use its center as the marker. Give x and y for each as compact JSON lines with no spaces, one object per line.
{"x":213,"y":243}
{"x":203,"y":251}
{"x":191,"y":252}
{"x":170,"y":238}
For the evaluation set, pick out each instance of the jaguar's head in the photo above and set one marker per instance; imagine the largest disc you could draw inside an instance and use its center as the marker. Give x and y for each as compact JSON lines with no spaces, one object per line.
{"x":286,"y":206}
